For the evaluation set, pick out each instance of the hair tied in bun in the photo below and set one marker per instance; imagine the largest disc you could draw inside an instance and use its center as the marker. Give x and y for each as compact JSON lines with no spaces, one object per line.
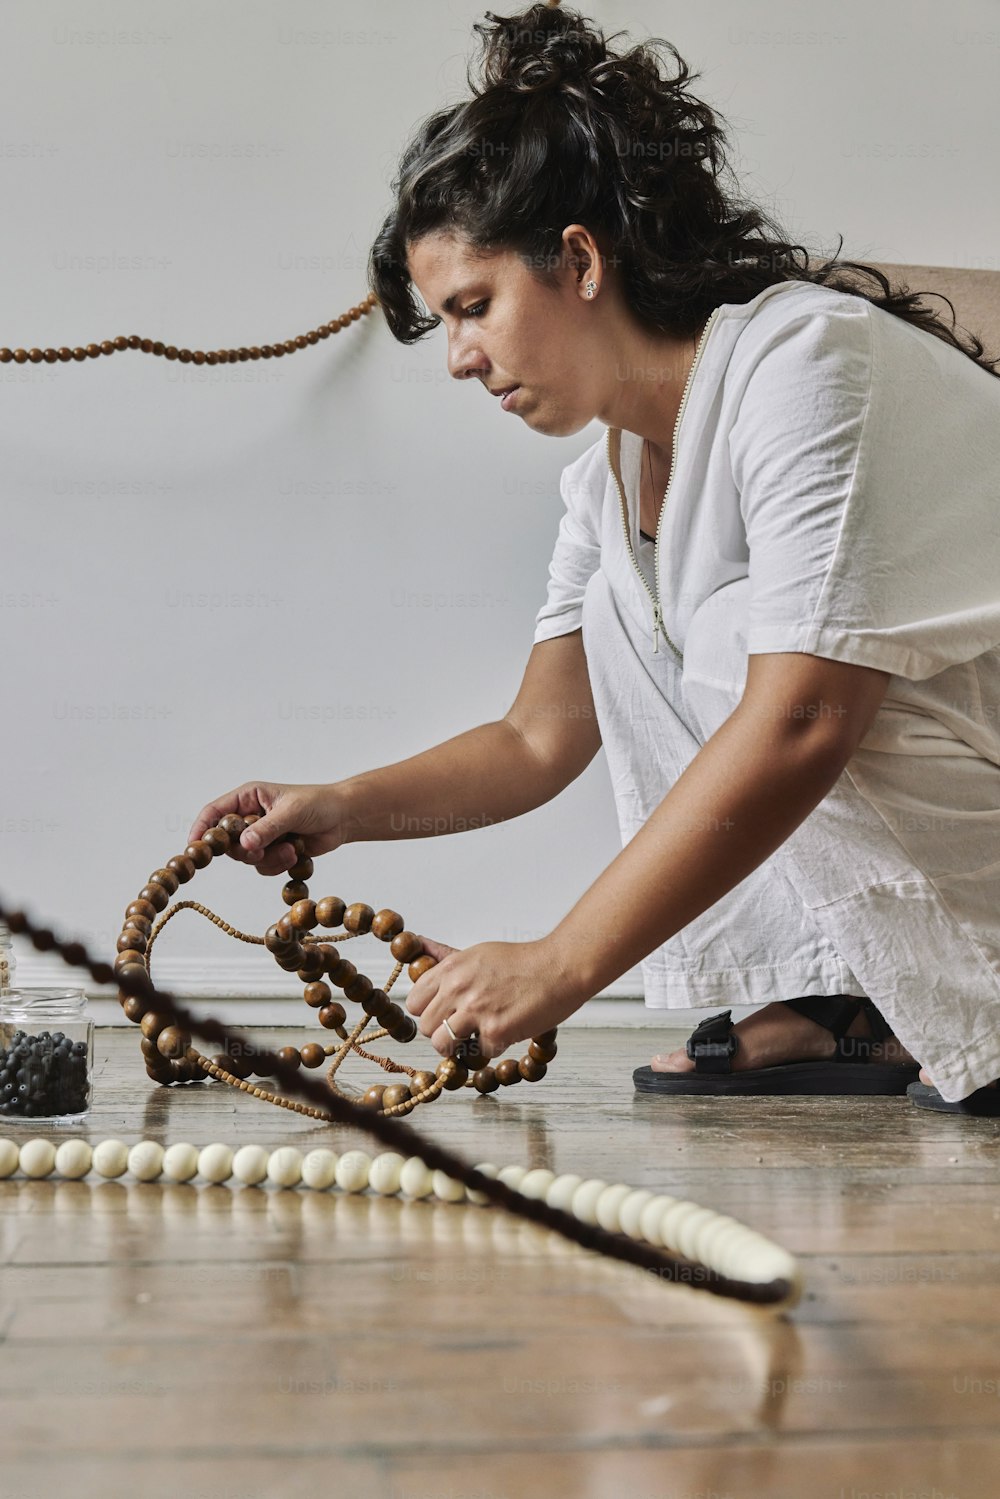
{"x":539,"y":50}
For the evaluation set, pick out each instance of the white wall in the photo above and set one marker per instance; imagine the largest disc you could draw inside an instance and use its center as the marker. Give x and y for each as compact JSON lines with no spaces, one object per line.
{"x":214,"y":574}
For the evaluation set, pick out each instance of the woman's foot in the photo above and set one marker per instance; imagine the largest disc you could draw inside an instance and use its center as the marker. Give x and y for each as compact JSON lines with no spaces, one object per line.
{"x":777,"y":1034}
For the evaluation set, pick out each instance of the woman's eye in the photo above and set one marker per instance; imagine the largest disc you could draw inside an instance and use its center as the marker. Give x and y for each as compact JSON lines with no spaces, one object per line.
{"x":475,"y":311}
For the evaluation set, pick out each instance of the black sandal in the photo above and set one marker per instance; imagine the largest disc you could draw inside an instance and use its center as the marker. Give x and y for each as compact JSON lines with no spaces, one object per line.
{"x":984,"y":1101}
{"x":712,"y":1046}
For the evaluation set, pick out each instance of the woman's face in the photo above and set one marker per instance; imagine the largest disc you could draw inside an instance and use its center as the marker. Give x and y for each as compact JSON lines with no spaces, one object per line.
{"x":506,"y":329}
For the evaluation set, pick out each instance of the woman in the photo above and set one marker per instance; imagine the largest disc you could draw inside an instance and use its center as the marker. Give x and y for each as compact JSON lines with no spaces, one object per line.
{"x":785,"y":633}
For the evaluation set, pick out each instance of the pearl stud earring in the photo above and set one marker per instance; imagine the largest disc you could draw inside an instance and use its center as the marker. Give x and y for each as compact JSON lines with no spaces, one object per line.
{"x":591,"y":288}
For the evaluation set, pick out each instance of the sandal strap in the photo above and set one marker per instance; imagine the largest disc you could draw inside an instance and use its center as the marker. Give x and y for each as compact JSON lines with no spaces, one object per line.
{"x":881,"y":1029}
{"x":712,"y":1045}
{"x":834,"y":1012}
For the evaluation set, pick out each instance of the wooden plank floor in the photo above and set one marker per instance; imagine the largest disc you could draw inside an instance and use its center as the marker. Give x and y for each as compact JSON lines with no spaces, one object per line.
{"x":230,"y":1341}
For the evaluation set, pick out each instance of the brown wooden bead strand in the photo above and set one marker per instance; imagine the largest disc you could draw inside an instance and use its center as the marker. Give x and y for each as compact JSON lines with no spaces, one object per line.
{"x":173,"y":1043}
{"x":302,"y":916}
{"x":141,"y":908}
{"x":224,"y":1076}
{"x":406,"y":947}
{"x":127,"y":341}
{"x":358,"y":918}
{"x":182,"y":866}
{"x":330,"y":911}
{"x":317,"y":995}
{"x":235,"y":825}
{"x":542,"y":1053}
{"x":156,"y":896}
{"x":311,"y":966}
{"x":386,"y":925}
{"x":295,"y":947}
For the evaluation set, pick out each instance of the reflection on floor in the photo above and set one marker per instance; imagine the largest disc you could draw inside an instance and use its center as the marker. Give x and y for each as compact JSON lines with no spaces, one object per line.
{"x":231,"y":1341}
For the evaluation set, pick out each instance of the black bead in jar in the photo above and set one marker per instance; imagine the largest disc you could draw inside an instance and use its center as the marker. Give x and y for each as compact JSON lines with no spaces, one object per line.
{"x":46,"y":1043}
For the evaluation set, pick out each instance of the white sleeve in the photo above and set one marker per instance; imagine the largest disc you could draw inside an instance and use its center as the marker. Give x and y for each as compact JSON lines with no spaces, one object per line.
{"x":577,"y":553}
{"x":865,"y":454}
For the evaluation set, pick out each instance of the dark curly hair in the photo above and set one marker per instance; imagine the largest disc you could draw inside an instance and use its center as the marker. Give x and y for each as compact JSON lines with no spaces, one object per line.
{"x":561,"y":129}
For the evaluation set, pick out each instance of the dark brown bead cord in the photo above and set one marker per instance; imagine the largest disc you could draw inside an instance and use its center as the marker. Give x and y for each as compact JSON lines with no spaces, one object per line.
{"x":396,"y":1135}
{"x":296,"y":948}
{"x":190,"y":356}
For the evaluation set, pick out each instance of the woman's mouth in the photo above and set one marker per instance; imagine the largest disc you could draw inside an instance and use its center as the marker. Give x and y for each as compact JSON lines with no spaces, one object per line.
{"x":507,"y":401}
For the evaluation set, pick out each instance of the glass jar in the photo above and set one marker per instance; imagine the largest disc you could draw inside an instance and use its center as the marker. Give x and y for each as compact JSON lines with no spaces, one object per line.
{"x":46,"y":1054}
{"x":8,"y":962}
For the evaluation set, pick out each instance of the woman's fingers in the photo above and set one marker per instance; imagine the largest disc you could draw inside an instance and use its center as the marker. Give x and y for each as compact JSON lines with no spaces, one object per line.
{"x":442,"y":1042}
{"x":435,"y":999}
{"x":437,"y":950}
{"x":212,"y":813}
{"x":250,"y":799}
{"x":276,"y":860}
{"x":423,"y":992}
{"x":281,"y":811}
{"x":265,"y":843}
{"x":464,"y":1027}
{"x":440,"y":1007}
{"x":435,"y":1014}
{"x":428,"y":984}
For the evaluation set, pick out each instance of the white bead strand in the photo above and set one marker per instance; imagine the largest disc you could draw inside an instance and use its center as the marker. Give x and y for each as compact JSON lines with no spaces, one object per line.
{"x":37,"y":1158}
{"x":607,"y":1209}
{"x":319,"y":1170}
{"x":446,"y":1189}
{"x":585,"y":1198}
{"x":180,"y":1162}
{"x":250,"y":1165}
{"x":215,"y":1163}
{"x":110,"y":1159}
{"x":284,"y":1166}
{"x":560,"y":1194}
{"x":73,"y":1159}
{"x":145,"y":1160}
{"x":699,"y":1235}
{"x":384,"y":1173}
{"x":415,"y":1179}
{"x":352,"y":1171}
{"x":10,"y":1158}
{"x":536,"y":1183}
{"x":485,"y":1168}
{"x":630,"y":1210}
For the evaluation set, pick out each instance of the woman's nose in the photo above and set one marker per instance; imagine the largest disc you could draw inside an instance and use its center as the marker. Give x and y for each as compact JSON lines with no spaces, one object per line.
{"x":465,"y":362}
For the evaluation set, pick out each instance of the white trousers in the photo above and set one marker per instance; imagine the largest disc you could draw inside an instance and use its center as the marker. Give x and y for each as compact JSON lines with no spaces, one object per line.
{"x":890,"y":888}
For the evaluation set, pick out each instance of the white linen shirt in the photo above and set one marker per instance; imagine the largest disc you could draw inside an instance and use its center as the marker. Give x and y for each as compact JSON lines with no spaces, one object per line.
{"x":848,"y":464}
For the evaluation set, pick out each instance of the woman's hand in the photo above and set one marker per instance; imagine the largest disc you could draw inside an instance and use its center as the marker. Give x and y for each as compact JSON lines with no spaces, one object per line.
{"x":505,"y":991}
{"x":316,"y":812}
